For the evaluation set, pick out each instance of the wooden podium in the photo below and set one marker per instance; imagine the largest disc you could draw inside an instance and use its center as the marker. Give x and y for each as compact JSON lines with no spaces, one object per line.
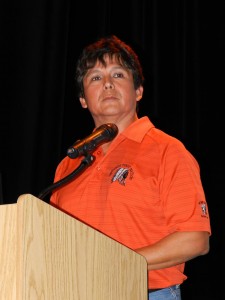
{"x":47,"y":254}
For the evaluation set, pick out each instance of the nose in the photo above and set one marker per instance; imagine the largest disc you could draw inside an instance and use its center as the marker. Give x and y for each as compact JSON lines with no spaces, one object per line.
{"x":108,"y":84}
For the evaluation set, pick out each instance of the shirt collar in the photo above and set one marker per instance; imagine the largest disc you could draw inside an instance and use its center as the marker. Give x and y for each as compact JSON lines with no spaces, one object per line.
{"x":138,"y":129}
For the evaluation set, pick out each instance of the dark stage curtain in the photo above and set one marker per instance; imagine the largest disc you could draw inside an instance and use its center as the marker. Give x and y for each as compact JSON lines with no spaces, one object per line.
{"x":181,"y":45}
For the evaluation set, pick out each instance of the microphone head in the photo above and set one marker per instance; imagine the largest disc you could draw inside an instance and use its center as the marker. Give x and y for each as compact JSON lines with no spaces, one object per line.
{"x":111,"y":129}
{"x":99,"y":136}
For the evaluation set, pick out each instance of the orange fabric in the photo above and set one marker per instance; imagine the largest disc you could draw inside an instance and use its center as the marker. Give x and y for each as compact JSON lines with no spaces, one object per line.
{"x":146,"y":187}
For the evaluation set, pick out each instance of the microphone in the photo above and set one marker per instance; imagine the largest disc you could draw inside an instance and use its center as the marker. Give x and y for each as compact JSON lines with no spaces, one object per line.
{"x":101,"y":135}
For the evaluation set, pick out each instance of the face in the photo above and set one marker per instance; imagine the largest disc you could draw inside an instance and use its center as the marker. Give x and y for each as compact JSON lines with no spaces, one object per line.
{"x":109,"y":92}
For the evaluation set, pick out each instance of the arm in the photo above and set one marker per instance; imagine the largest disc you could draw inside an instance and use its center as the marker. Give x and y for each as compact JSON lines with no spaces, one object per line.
{"x":175,"y":249}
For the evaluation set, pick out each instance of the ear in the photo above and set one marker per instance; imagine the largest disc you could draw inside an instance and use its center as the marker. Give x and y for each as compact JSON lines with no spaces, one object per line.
{"x":83,"y":102}
{"x":139,"y":93}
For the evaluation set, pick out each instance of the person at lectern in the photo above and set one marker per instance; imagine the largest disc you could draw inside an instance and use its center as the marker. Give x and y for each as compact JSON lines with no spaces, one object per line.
{"x":143,"y":189}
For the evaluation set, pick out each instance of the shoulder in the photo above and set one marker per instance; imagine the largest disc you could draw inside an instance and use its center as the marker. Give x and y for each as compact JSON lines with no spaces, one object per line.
{"x":169,"y":147}
{"x":66,"y":166}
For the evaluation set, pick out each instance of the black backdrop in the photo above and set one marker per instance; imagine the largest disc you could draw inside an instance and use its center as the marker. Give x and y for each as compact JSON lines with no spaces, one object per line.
{"x":181,"y":45}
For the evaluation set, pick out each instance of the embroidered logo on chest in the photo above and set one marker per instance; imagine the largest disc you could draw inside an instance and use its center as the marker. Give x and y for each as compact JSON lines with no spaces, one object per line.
{"x":121,"y":173}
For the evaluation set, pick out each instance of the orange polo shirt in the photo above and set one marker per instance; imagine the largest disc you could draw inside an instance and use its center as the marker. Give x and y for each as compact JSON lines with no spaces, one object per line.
{"x":146,"y":187}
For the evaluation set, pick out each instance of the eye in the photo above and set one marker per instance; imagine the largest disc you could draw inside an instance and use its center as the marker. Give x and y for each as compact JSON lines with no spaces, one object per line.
{"x":95,"y":78}
{"x":118,"y":75}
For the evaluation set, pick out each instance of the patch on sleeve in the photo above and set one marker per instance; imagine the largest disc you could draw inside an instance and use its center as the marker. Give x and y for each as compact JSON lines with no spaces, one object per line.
{"x":204,"y":209}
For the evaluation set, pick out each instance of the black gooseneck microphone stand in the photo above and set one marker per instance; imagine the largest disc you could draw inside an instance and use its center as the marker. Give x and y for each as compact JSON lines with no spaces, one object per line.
{"x":85,"y":163}
{"x":85,"y":147}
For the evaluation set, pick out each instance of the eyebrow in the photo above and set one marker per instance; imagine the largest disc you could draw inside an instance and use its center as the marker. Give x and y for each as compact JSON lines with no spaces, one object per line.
{"x":97,"y":69}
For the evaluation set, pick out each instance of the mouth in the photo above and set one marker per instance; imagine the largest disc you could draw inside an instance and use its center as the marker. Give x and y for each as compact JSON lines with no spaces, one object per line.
{"x":109,"y":97}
